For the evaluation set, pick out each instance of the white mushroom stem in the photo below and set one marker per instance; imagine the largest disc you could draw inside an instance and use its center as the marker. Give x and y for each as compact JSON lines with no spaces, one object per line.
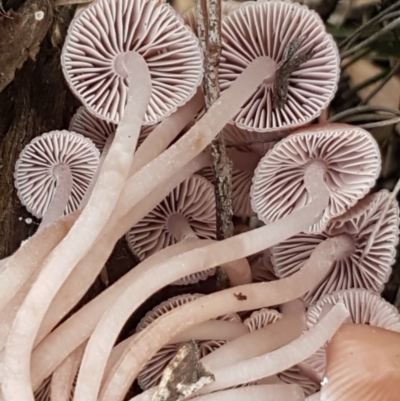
{"x":283,"y":358}
{"x":87,"y":270}
{"x":246,"y":297}
{"x":271,"y":392}
{"x":261,"y":341}
{"x":79,"y":240}
{"x":30,"y":257}
{"x":104,"y":153}
{"x":55,"y":210}
{"x":68,"y":336}
{"x":161,"y":137}
{"x":212,"y":330}
{"x":62,"y":380}
{"x":314,"y":397}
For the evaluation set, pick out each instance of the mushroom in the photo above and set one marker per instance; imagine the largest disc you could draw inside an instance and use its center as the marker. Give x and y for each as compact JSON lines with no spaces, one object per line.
{"x":365,"y":266}
{"x":94,"y":62}
{"x":305,"y":56}
{"x":349,"y":157}
{"x":362,"y":364}
{"x":364,"y":307}
{"x":150,"y":375}
{"x":53,"y":173}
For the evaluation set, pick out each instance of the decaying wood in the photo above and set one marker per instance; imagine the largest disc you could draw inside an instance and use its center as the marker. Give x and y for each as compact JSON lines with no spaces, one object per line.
{"x":21,"y":33}
{"x":208,"y":16}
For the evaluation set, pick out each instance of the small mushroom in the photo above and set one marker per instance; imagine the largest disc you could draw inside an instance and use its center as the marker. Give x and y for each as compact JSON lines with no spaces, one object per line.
{"x":348,"y":156}
{"x":94,"y":58}
{"x":362,"y":364}
{"x":364,"y":266}
{"x":151,"y":373}
{"x":364,"y":307}
{"x":187,"y":212}
{"x":53,"y":173}
{"x":306,"y":63}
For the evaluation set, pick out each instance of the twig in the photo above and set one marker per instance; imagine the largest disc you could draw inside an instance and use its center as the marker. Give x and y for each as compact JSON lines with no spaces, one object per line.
{"x":371,"y":39}
{"x":363,"y":109}
{"x":346,"y":43}
{"x":209,"y":31}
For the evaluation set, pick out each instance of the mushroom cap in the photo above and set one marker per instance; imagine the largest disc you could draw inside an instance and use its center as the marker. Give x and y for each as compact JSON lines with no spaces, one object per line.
{"x":268,"y":28}
{"x":151,"y":373}
{"x":261,"y":267}
{"x":34,"y":176}
{"x":362,"y":365}
{"x":349,"y":155}
{"x":262,"y":318}
{"x":85,"y":123}
{"x":98,"y":38}
{"x":352,"y":270}
{"x":194,"y":200}
{"x":364,"y":307}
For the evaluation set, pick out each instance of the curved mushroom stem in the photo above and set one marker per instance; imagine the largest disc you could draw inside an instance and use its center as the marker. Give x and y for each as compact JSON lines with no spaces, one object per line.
{"x":276,"y":392}
{"x":283,"y":358}
{"x":258,"y":342}
{"x":60,"y":343}
{"x":104,"y":153}
{"x":79,"y":240}
{"x":62,"y":380}
{"x":246,"y":297}
{"x":63,"y":176}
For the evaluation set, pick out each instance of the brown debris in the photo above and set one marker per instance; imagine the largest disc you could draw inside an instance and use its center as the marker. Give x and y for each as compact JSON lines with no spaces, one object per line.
{"x":183,"y":376}
{"x":21,"y":33}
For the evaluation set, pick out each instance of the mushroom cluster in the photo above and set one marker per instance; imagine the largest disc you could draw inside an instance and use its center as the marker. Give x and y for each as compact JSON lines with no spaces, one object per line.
{"x":312,"y":249}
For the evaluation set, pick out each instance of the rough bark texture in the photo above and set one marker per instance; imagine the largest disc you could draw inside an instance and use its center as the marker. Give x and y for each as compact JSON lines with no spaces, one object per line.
{"x":208,"y":14}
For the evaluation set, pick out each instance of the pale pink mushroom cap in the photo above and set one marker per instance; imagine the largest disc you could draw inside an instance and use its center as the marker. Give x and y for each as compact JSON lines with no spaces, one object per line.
{"x":34,"y":176}
{"x":85,"y":123}
{"x":266,"y":28}
{"x":353,"y":270}
{"x":349,"y":155}
{"x":295,"y":376}
{"x":191,"y":206}
{"x":151,"y":373}
{"x":98,"y":38}
{"x":362,"y":365}
{"x":364,"y":307}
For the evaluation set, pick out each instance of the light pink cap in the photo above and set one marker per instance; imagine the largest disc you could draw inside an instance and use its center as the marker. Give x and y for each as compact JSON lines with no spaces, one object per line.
{"x":266,"y":28}
{"x":364,"y":307}
{"x":34,"y":176}
{"x":101,"y":34}
{"x":349,"y":155}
